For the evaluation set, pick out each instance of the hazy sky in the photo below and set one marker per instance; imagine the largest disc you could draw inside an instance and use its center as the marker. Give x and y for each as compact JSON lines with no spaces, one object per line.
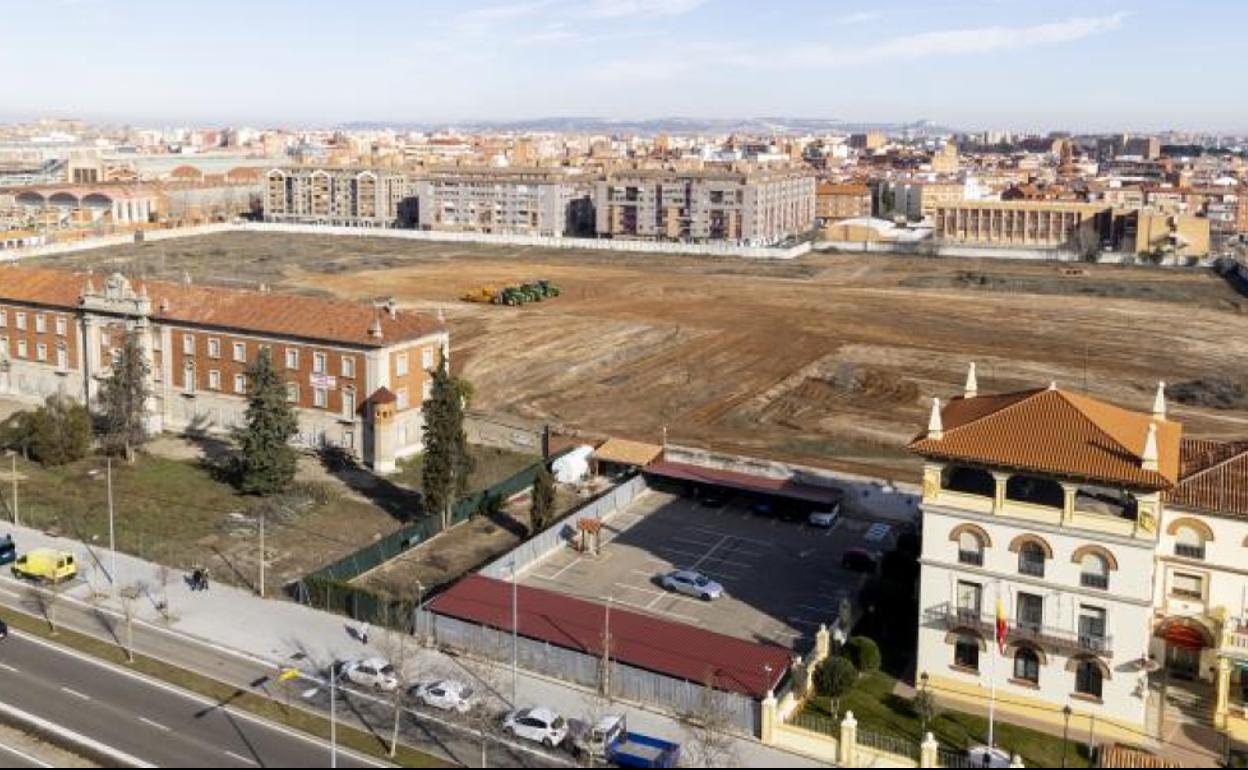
{"x":1080,"y":64}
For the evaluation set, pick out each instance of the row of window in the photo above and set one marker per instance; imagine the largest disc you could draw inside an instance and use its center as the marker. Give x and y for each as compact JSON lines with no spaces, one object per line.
{"x":1029,"y":613}
{"x":1032,"y":559}
{"x":320,"y":361}
{"x":1089,"y":678}
{"x":61,"y":351}
{"x":41,"y":322}
{"x":320,"y":396}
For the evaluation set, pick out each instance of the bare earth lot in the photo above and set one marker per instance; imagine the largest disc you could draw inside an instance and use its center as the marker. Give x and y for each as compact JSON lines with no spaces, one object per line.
{"x":829,"y":359}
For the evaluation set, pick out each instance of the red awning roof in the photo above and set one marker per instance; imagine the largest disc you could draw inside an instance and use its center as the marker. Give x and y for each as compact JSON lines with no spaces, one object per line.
{"x":745,"y":482}
{"x":662,"y":646}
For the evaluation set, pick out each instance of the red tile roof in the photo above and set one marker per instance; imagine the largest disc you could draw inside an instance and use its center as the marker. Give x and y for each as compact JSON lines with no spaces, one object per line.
{"x":1215,"y":477}
{"x":662,"y":646}
{"x":287,"y":315}
{"x":745,"y":482}
{"x":1055,"y":431}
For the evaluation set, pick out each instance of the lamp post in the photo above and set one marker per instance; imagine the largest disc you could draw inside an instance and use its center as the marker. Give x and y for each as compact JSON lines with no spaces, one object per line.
{"x":515,"y":639}
{"x":333,"y":716}
{"x":13,"y":454}
{"x":1066,"y":711}
{"x":112,"y":542}
{"x":923,"y":711}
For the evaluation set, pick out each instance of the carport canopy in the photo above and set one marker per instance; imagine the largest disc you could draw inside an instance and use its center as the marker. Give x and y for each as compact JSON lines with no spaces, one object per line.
{"x":746,"y":482}
{"x":624,"y":452}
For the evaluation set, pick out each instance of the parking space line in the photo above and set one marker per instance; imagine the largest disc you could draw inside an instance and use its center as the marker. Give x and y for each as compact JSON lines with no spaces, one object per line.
{"x":734,"y":537}
{"x":701,"y":558}
{"x":687,"y":618}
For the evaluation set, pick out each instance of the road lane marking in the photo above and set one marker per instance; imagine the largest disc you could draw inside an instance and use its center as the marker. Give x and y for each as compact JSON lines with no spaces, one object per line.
{"x":8,"y":668}
{"x":25,"y":757}
{"x":157,"y":725}
{"x":241,"y":758}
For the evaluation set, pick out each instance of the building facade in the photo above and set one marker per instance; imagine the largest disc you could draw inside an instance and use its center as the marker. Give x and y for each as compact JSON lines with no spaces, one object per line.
{"x":1108,"y":543}
{"x":334,"y":196}
{"x":356,"y":375}
{"x":503,"y":201}
{"x":1048,"y":224}
{"x":751,"y":207}
{"x":918,"y":201}
{"x":834,"y":202}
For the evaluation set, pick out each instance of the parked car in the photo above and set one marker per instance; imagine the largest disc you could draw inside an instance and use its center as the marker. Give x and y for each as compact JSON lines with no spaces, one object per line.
{"x":445,"y":694}
{"x":46,"y":565}
{"x":4,"y":630}
{"x":825,"y":519}
{"x":539,"y":724}
{"x":610,"y":741}
{"x":8,"y":550}
{"x":373,"y":672}
{"x":692,"y":584}
{"x":859,"y":560}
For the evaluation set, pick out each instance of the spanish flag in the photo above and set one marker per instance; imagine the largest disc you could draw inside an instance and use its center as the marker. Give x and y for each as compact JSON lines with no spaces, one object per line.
{"x":1002,"y":627}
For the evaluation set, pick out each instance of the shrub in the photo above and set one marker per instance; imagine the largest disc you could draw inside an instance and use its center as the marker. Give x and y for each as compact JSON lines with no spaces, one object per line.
{"x":60,"y":431}
{"x":864,"y":654}
{"x":835,"y":677}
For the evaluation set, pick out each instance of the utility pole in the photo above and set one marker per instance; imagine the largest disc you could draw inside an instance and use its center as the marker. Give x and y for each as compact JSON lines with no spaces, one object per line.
{"x":515,"y":639}
{"x":15,"y":521}
{"x":112,"y":541}
{"x":333,"y":718}
{"x":262,"y":554}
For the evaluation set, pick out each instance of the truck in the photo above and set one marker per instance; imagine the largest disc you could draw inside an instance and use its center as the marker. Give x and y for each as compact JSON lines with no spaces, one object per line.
{"x":46,"y":565}
{"x":611,"y":741}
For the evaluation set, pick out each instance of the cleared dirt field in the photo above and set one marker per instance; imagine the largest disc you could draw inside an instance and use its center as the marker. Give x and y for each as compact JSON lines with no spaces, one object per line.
{"x":828,"y":359}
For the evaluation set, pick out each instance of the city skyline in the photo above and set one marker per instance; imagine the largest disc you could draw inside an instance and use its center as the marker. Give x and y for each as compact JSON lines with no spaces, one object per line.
{"x":317,"y":65}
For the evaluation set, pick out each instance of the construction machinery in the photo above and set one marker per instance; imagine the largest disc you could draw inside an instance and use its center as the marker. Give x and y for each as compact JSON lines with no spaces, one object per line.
{"x":521,"y":294}
{"x":485,"y":295}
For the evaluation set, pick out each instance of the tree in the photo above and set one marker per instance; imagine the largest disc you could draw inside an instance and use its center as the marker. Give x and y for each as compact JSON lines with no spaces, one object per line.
{"x":446,"y":464}
{"x":543,"y":508}
{"x":834,"y":678}
{"x":266,"y":462}
{"x":60,"y":431}
{"x":127,"y":597}
{"x":864,"y":653}
{"x":395,"y":644}
{"x":708,"y":740}
{"x":123,"y":399}
{"x":925,"y":708}
{"x":17,"y":432}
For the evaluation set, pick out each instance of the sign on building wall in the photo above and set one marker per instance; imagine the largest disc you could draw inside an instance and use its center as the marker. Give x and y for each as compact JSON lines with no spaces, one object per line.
{"x":326,"y":381}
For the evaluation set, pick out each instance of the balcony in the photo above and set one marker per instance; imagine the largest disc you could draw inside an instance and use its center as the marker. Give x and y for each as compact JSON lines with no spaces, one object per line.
{"x":1061,"y":640}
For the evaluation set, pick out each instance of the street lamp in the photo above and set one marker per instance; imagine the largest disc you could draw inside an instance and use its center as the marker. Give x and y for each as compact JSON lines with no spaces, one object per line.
{"x":923,"y":711}
{"x":1066,"y":711}
{"x":515,"y":639}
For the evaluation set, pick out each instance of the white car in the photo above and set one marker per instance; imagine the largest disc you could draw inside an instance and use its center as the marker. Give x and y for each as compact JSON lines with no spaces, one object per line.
{"x":825,"y":519}
{"x":374,"y":672}
{"x":540,"y":725}
{"x":445,"y":694}
{"x":692,"y":583}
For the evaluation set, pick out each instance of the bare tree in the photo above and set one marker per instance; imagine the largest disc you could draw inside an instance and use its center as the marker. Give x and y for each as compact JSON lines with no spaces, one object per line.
{"x":128,"y":596}
{"x":44,"y":601}
{"x":164,"y":575}
{"x":396,"y":645}
{"x":707,"y":723}
{"x":490,"y":682}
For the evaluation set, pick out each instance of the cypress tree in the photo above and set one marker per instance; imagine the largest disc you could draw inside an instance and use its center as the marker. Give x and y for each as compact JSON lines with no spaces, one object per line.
{"x":266,"y":461}
{"x":543,"y":507}
{"x":446,"y":464}
{"x":123,"y":398}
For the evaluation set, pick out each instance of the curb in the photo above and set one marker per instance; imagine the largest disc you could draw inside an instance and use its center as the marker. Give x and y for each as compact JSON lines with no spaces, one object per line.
{"x":78,"y":743}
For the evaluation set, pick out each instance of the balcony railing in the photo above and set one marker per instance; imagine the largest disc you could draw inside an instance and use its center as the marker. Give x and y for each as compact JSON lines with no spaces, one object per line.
{"x":975,"y":558}
{"x":1064,"y":640}
{"x":1090,"y":580}
{"x":1189,"y":551}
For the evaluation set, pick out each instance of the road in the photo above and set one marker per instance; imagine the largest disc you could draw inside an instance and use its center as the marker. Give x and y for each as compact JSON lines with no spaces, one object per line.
{"x":157,"y":723}
{"x":449,"y":737}
{"x":14,"y":758}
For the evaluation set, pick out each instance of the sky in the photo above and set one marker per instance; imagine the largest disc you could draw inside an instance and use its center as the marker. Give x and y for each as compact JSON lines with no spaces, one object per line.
{"x":1083,"y":65}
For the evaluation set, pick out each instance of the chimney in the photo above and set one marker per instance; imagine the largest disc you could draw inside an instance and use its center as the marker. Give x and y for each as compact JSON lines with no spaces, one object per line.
{"x":972,"y":384}
{"x":374,"y":329}
{"x":1159,"y":402}
{"x":392,"y":308}
{"x":1052,"y":384}
{"x":1148,"y":460}
{"x":935,"y":428}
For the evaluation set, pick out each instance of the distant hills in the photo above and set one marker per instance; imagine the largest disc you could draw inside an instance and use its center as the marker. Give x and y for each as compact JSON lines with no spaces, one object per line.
{"x":672,"y":125}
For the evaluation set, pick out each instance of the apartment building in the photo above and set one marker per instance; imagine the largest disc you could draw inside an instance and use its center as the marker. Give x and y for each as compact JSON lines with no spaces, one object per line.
{"x":752,"y":207}
{"x":519,"y":201}
{"x":1112,"y":546}
{"x":917,"y":200}
{"x":357,"y":374}
{"x":834,"y":202}
{"x":1034,"y":224}
{"x":345,"y":197}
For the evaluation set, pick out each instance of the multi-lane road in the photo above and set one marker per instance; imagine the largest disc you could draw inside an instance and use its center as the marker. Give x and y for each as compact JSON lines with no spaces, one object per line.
{"x":148,"y":720}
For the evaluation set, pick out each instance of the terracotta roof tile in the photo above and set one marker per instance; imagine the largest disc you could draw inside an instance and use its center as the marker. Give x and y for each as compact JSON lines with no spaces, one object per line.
{"x":1215,"y":477}
{"x":1054,"y":431}
{"x":290,"y":315}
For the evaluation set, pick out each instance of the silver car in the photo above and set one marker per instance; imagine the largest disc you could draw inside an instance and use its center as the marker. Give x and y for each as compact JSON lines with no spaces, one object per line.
{"x":692,"y":583}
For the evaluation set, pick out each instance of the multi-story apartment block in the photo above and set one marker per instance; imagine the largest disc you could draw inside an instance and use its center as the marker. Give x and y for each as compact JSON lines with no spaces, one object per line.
{"x":918,"y":200}
{"x":503,"y":201}
{"x":1111,"y":544}
{"x":834,"y":202}
{"x":332,"y":196}
{"x":357,"y":374}
{"x":754,"y":207}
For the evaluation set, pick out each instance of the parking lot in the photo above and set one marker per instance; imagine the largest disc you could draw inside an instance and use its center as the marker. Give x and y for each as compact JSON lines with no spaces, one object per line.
{"x":781,"y":578}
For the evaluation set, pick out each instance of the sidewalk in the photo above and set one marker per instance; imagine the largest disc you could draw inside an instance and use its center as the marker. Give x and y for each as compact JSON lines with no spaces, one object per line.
{"x":284,"y":633}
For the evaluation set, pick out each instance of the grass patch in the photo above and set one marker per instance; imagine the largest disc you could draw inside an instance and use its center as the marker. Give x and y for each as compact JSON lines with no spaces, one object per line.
{"x":879,"y":710}
{"x":492,"y":466}
{"x":220,"y":692}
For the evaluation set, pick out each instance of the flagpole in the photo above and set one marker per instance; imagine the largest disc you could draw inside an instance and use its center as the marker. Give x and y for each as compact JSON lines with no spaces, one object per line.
{"x":992,"y":673}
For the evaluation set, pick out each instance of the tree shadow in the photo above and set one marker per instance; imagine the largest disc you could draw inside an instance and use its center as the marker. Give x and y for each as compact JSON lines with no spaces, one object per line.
{"x":216,"y":453}
{"x":399,"y":502}
{"x":241,"y":579}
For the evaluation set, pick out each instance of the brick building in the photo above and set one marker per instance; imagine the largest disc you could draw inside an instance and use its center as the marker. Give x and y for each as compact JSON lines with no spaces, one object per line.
{"x":834,"y":202}
{"x":357,"y":374}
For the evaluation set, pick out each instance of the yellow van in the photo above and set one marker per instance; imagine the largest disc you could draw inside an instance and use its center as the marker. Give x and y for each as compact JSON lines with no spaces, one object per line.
{"x":46,"y":565}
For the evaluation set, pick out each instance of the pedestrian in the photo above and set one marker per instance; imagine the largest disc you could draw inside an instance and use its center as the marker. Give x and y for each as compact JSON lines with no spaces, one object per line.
{"x":197,"y":579}
{"x":363,"y":632}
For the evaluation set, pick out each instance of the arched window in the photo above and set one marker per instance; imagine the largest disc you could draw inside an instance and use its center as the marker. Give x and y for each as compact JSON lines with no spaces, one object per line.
{"x":970,"y":548}
{"x":1027,"y":665}
{"x":1089,"y":677}
{"x":1189,"y":542}
{"x":1031,"y":559}
{"x":1093,"y":571}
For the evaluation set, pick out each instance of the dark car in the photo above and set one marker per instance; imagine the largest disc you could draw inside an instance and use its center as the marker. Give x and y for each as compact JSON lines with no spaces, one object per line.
{"x":4,"y":630}
{"x":859,"y":560}
{"x":8,"y":550}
